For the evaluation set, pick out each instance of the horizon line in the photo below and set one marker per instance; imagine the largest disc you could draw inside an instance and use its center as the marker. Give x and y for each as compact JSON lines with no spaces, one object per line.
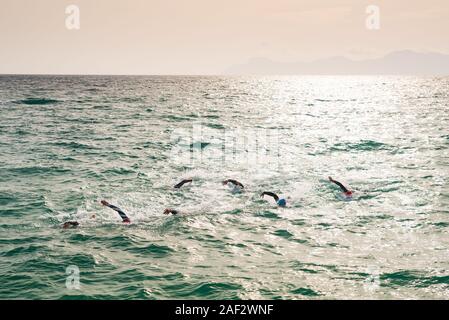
{"x":224,"y":74}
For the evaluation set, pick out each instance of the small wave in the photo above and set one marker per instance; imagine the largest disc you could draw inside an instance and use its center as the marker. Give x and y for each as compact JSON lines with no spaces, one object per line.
{"x":211,"y":290}
{"x":305,"y":292}
{"x":92,"y":90}
{"x":211,"y":116}
{"x":120,"y":241}
{"x":363,"y":145}
{"x":132,"y":99}
{"x":7,"y":198}
{"x":25,"y":240}
{"x":101,"y":107}
{"x":310,"y":267}
{"x":440,"y":224}
{"x":446,"y":137}
{"x":176,"y":118}
{"x":269,"y":215}
{"x":36,"y":101}
{"x":38,"y":170}
{"x":283,"y":234}
{"x":413,"y":279}
{"x":119,"y":171}
{"x":215,"y":126}
{"x":333,"y":100}
{"x":207,"y":96}
{"x":298,"y":222}
{"x":72,"y":145}
{"x":154,"y":250}
{"x":199,"y":145}
{"x":23,"y":250}
{"x":220,"y":289}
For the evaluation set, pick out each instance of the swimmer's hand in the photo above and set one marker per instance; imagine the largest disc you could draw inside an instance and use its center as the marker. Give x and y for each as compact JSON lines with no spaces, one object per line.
{"x":330,"y":179}
{"x":105,"y":203}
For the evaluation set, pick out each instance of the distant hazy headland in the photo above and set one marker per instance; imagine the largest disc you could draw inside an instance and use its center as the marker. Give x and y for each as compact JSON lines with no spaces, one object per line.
{"x":399,"y":62}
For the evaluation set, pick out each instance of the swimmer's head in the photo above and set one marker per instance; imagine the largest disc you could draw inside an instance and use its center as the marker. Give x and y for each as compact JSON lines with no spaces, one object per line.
{"x":172,"y":211}
{"x":70,"y":224}
{"x":104,"y":202}
{"x":348,"y":193}
{"x":282,"y":203}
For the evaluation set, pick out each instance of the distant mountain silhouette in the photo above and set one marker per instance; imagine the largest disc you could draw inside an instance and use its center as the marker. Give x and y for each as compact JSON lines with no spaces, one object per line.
{"x":399,"y":62}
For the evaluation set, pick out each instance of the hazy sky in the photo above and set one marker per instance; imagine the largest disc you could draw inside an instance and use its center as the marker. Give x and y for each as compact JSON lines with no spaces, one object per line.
{"x":207,"y":36}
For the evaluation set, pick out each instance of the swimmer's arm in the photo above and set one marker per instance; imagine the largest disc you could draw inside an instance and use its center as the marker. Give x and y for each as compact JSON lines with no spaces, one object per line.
{"x":235,"y":182}
{"x":342,"y":187}
{"x":271,"y":194}
{"x":179,"y":185}
{"x":118,"y":210}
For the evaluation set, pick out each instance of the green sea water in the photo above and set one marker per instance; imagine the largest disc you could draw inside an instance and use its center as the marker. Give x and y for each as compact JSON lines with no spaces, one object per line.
{"x":66,"y":142}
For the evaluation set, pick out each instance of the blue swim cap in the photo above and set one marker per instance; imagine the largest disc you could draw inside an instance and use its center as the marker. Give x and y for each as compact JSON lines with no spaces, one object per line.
{"x":282,"y":202}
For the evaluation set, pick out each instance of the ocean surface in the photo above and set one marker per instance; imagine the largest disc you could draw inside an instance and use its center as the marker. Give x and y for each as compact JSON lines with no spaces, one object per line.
{"x":67,"y":142}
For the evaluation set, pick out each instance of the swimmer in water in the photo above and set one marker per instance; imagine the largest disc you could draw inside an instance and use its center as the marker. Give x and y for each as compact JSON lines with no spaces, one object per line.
{"x":74,"y":224}
{"x":70,"y":224}
{"x":236,"y":186}
{"x":346,"y":191}
{"x":280,"y":202}
{"x":183,"y":182}
{"x":172,"y":211}
{"x":124,"y":217}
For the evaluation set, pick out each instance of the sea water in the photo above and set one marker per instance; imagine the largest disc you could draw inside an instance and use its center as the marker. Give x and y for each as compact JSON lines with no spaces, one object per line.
{"x":67,"y":142}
